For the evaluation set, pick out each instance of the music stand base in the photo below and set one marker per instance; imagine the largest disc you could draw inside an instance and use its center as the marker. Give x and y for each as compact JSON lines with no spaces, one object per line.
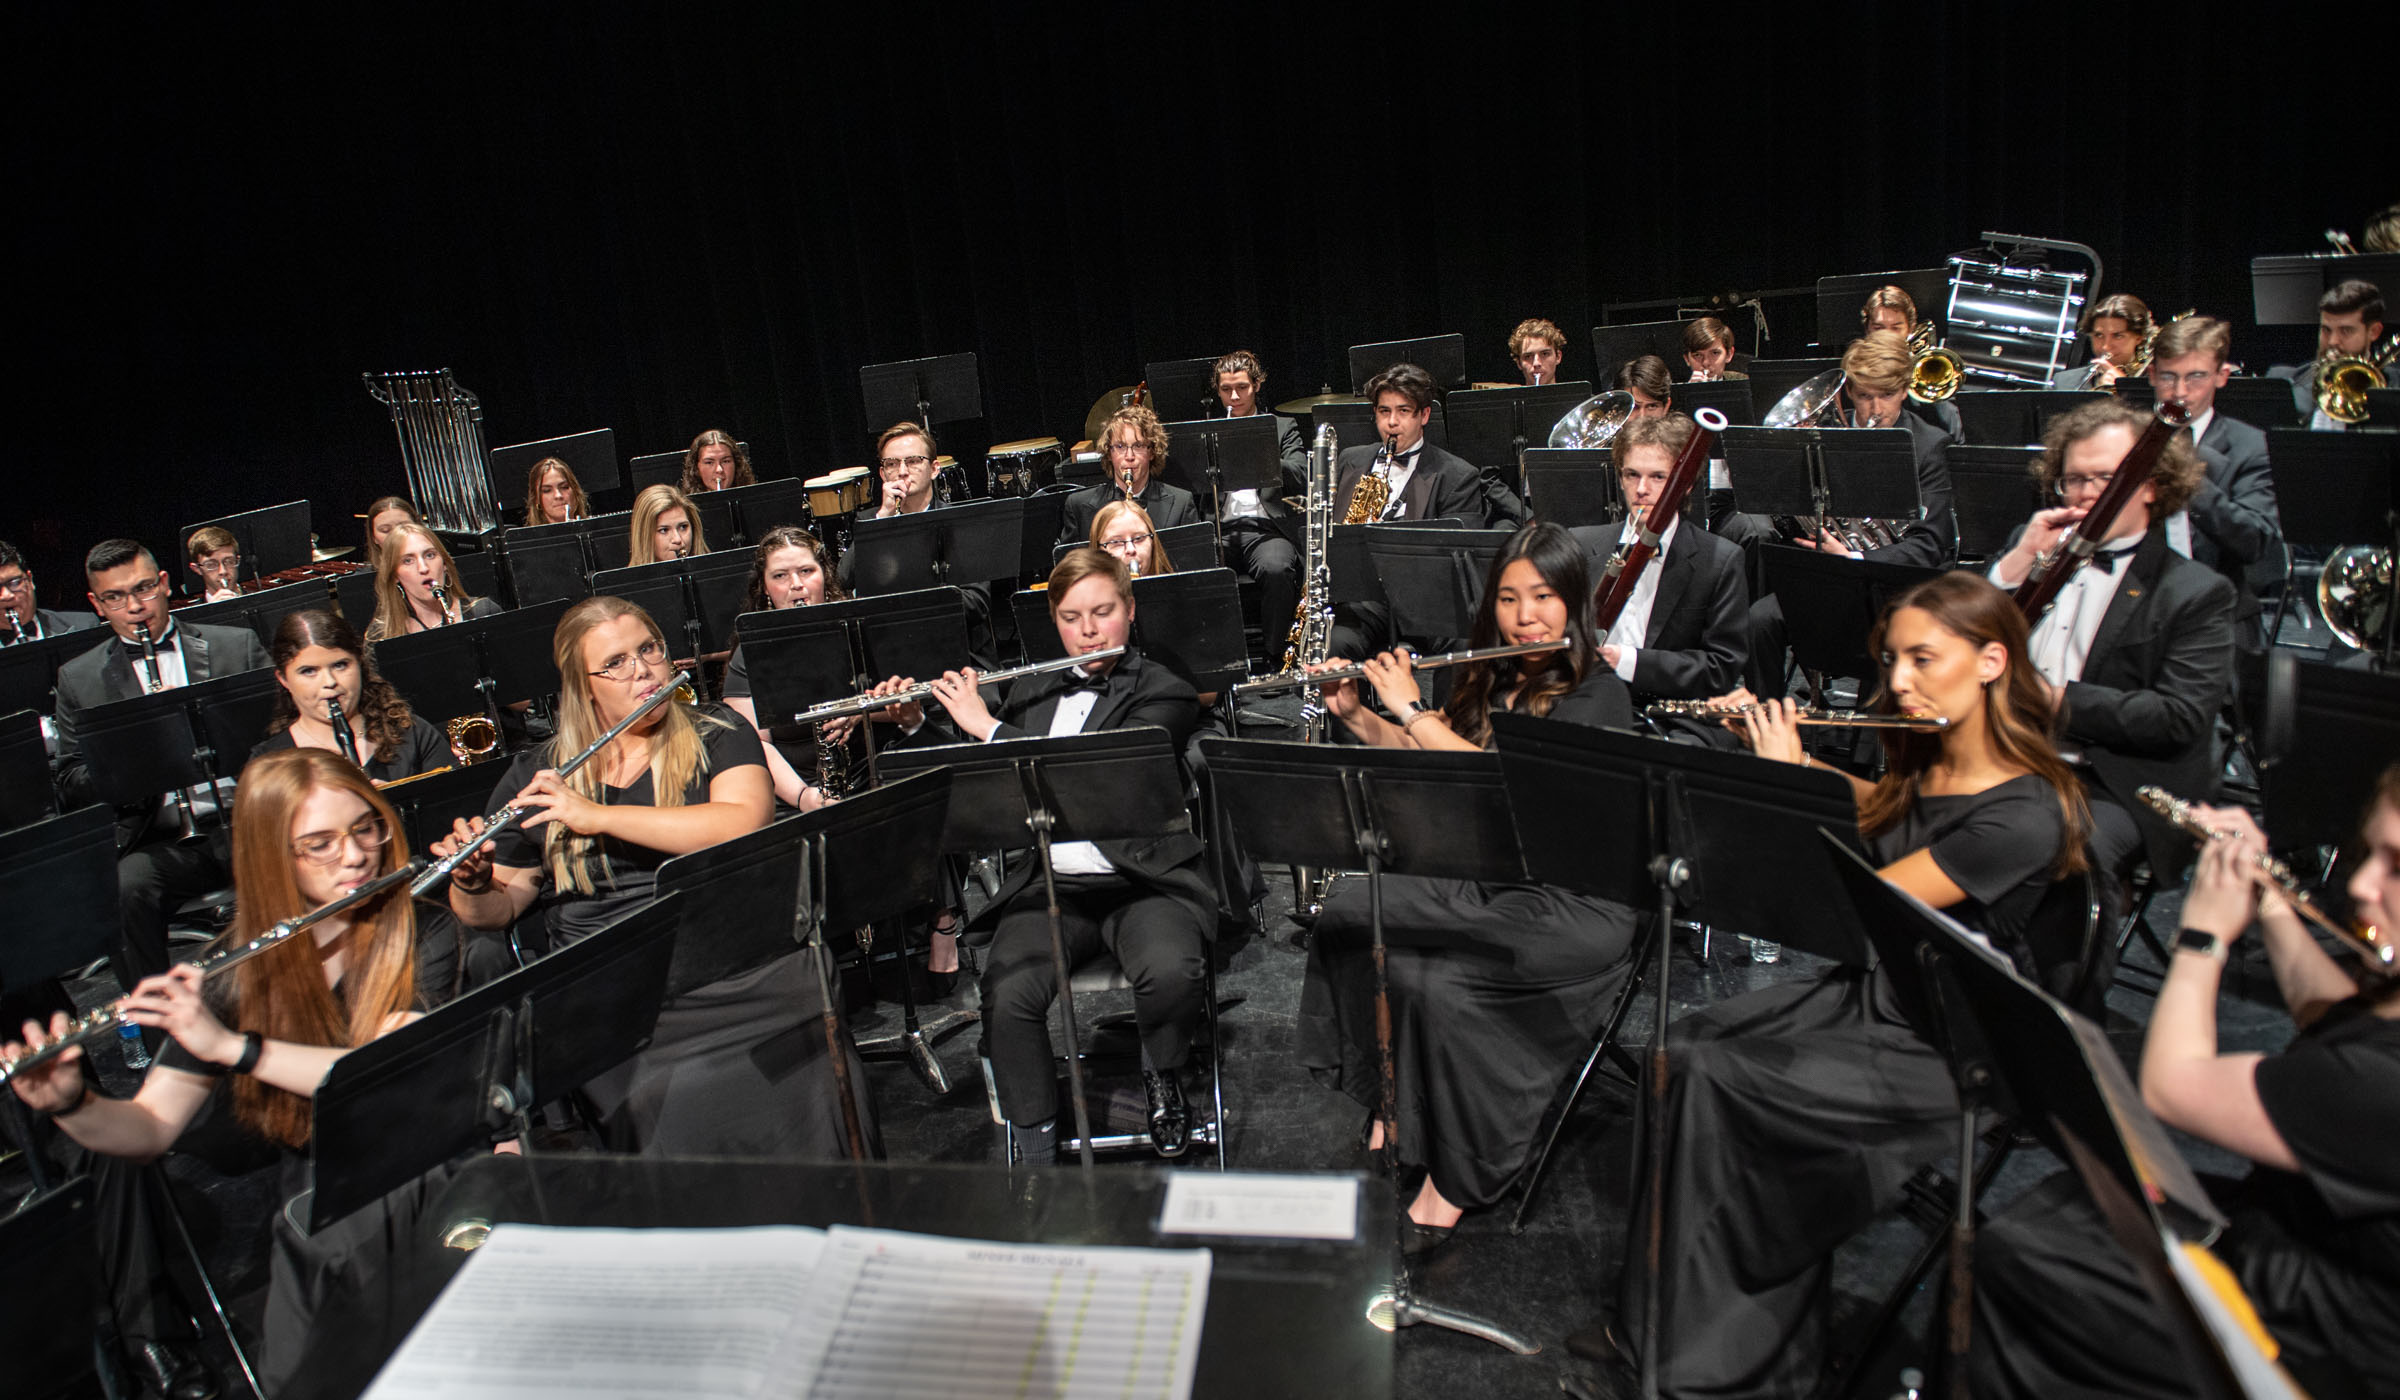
{"x":1393,"y":1311}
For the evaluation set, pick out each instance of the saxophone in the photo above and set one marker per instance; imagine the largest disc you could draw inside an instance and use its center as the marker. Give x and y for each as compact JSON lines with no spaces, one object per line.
{"x":1312,"y":626}
{"x":1374,"y":490}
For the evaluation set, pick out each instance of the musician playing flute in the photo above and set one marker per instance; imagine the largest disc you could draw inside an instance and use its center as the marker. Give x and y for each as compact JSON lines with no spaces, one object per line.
{"x":259,"y":1038}
{"x":2315,"y":1233}
{"x":1494,"y":988}
{"x":684,"y":778}
{"x":1825,"y":1081}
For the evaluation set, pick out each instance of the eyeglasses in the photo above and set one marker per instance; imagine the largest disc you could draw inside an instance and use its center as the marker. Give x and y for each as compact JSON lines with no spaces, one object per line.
{"x":2077,"y":485}
{"x":2165,"y":380}
{"x":621,"y":667}
{"x":1129,"y":447}
{"x":893,"y":464}
{"x":1126,"y":542}
{"x":142,"y":592}
{"x":14,"y":582}
{"x":325,"y":847}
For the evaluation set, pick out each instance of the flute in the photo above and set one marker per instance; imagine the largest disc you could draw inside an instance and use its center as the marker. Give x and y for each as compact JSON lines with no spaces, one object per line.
{"x":1801,"y":714}
{"x":104,"y":1023}
{"x":2363,"y":938}
{"x":1294,"y":680}
{"x":509,"y":818}
{"x":869,"y":704}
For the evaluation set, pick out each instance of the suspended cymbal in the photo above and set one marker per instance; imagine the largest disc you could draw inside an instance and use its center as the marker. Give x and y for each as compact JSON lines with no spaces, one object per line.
{"x":1105,"y":405}
{"x":1296,"y":407}
{"x":337,"y":552}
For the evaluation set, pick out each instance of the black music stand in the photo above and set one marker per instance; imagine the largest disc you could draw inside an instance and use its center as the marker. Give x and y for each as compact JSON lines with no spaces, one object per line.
{"x":480,"y":664}
{"x":1442,"y":356}
{"x":799,"y":657}
{"x":473,"y":1072}
{"x":2261,"y":401}
{"x":1353,"y":570}
{"x":1189,"y":547}
{"x":1190,"y":623}
{"x":697,"y":597}
{"x":1615,"y":346}
{"x":546,"y":562}
{"x":1116,"y":784}
{"x":938,"y":389}
{"x":869,"y":858}
{"x":2334,"y":489}
{"x":654,"y":469}
{"x":1354,"y":424}
{"x":57,"y":1322}
{"x":1572,"y":486}
{"x":272,"y":539}
{"x":2324,"y":734}
{"x":1211,"y":456}
{"x":354,"y":596}
{"x":26,"y":794}
{"x":59,"y":877}
{"x":1496,"y":427}
{"x":429,"y":803}
{"x":956,"y":545}
{"x":1406,"y":812}
{"x":2383,"y":408}
{"x":29,"y":670}
{"x":1993,"y":492}
{"x":592,"y":456}
{"x":1815,"y":473}
{"x":1770,"y":380}
{"x":2284,"y":287}
{"x":263,"y":611}
{"x":1432,"y":579}
{"x":1831,"y":603}
{"x":1722,"y":837}
{"x":740,"y":516}
{"x":1731,"y":397}
{"x":1839,"y":298}
{"x":1996,"y":417}
{"x":171,"y":740}
{"x":1183,"y":389}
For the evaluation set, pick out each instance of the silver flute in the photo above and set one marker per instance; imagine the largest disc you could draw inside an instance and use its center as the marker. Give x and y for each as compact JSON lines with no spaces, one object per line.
{"x":869,"y":704}
{"x":510,"y":817}
{"x":1290,"y":681}
{"x":2361,"y":937}
{"x":105,"y":1022}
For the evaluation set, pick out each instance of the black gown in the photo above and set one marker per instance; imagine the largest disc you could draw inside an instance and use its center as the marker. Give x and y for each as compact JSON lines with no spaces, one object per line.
{"x":2059,"y":1311}
{"x":1796,"y":1114}
{"x":737,"y":1068}
{"x":1495,"y":991}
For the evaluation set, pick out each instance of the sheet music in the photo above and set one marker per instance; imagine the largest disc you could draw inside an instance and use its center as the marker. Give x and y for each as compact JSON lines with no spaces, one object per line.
{"x":609,"y":1315}
{"x":1261,"y":1204}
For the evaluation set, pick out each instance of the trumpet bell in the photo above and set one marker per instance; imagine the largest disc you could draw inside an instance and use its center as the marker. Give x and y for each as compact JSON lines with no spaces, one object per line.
{"x":1808,"y":404}
{"x":1936,"y":375}
{"x":2355,"y":594}
{"x":1595,"y":422}
{"x":2342,"y":384}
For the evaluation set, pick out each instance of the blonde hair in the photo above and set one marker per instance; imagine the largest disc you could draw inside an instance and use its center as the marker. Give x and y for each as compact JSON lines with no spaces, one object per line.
{"x":391,"y":602}
{"x":1144,"y":423}
{"x":676,"y":752}
{"x":1879,"y":362}
{"x":2192,"y":335}
{"x":1110,"y":514}
{"x":656,"y":501}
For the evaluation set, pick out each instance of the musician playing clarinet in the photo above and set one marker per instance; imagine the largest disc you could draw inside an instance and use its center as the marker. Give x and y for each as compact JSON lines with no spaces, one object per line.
{"x":416,"y":586}
{"x":1494,"y":988}
{"x":2136,"y":653}
{"x":320,"y":662}
{"x":1796,"y":1114}
{"x":1148,"y":902}
{"x":1136,"y":444}
{"x":2314,"y":1238}
{"x":258,"y":1039}
{"x":22,"y":619}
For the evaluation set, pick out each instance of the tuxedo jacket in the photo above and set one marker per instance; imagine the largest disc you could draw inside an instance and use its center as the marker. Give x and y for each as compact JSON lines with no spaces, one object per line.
{"x":53,"y":623}
{"x":1942,"y":415}
{"x":2234,"y":525}
{"x":1169,"y":506}
{"x":1698,"y":640}
{"x":2303,"y":380}
{"x":106,"y":673}
{"x":1931,"y":540}
{"x":1444,"y":486}
{"x":1138,"y":692}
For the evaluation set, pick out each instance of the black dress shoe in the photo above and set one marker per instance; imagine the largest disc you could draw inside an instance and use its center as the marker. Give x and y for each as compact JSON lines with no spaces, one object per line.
{"x":1170,"y":1119}
{"x":1417,"y":1240}
{"x":172,"y":1371}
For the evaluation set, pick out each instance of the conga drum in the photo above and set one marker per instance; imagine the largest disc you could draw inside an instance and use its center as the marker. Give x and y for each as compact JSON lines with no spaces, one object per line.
{"x":1025,"y":466}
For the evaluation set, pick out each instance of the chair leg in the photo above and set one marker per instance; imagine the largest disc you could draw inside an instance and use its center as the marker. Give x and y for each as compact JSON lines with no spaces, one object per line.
{"x":1216,"y":1065}
{"x":1604,"y":1044}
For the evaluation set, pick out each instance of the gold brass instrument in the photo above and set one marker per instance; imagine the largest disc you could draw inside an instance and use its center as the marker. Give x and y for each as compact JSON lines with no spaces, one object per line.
{"x":1374,"y":489}
{"x":103,"y":1022}
{"x":1272,"y":684}
{"x":869,"y":704}
{"x":473,"y":738}
{"x":2341,"y":382}
{"x":1595,"y":422}
{"x":1936,"y":371}
{"x":1801,"y":714}
{"x":2354,"y":594}
{"x":2139,"y":365}
{"x":2381,"y":955}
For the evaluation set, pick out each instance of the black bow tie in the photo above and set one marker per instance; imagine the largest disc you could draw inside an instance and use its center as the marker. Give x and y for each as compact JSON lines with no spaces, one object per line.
{"x":164,"y":640}
{"x":1078,"y":678}
{"x":2110,"y":559}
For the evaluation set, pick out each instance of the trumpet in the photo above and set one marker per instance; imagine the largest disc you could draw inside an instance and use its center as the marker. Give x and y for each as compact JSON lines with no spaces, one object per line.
{"x":869,"y":704}
{"x":104,"y":1023}
{"x":2363,"y":938}
{"x":512,"y":816}
{"x":1294,"y":681}
{"x":1801,"y":714}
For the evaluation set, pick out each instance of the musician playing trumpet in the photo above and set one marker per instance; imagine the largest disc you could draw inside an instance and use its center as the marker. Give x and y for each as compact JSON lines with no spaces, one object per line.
{"x":2118,"y":328}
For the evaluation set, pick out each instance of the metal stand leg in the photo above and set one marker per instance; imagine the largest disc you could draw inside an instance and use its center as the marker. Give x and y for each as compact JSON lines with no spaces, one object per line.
{"x":1601,"y":1045}
{"x":912,"y":1036}
{"x":1671,"y":873}
{"x":1041,"y":822}
{"x":208,"y":1286}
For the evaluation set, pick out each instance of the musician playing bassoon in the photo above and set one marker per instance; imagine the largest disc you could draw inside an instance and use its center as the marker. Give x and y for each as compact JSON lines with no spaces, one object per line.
{"x":1494,"y":988}
{"x":1679,"y":636}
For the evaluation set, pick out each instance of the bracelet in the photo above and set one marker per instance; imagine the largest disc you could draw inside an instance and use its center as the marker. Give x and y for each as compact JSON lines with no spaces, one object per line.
{"x":252,"y":1043}
{"x":81,"y":1098}
{"x":1414,"y":715}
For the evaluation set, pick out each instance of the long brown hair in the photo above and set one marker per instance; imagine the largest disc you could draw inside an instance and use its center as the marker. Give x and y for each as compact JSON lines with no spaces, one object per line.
{"x":2016,"y":711}
{"x":281,"y":994}
{"x":387,"y":714}
{"x":1555,"y":555}
{"x":391,"y":601}
{"x":715,"y":437}
{"x":784,"y":537}
{"x":579,"y":506}
{"x":676,"y":753}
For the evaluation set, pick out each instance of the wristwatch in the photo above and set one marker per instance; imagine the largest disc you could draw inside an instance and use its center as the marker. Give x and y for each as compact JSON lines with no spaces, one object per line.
{"x":2201,"y":941}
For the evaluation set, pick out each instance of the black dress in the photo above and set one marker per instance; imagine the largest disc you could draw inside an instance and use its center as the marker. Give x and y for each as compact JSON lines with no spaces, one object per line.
{"x":1495,"y":990}
{"x":1795,"y":1115}
{"x":2059,"y":1311}
{"x":796,"y":742}
{"x":421,"y":750}
{"x":737,"y":1068}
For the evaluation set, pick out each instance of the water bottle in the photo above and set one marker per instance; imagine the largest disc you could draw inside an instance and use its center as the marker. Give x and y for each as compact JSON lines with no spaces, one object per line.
{"x":1912,"y":1385}
{"x":129,"y":1044}
{"x":1765,"y":951}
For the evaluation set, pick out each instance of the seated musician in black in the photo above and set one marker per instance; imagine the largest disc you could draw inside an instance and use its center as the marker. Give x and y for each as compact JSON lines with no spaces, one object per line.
{"x":309,"y":829}
{"x":904,"y":462}
{"x":2137,"y":651}
{"x":317,"y":659}
{"x":1135,"y":443}
{"x":1537,"y":347}
{"x":22,"y":619}
{"x":683,"y":779}
{"x":1645,"y":377}
{"x":1494,"y":988}
{"x":1416,"y":481}
{"x":2119,"y":330}
{"x":2349,"y":323}
{"x":2230,"y":523}
{"x":156,"y":868}
{"x":1680,"y":635}
{"x":1890,"y":308}
{"x":1259,"y":529}
{"x":2314,"y":1238}
{"x":1796,"y":1114}
{"x":417,"y":585}
{"x":1148,"y":902}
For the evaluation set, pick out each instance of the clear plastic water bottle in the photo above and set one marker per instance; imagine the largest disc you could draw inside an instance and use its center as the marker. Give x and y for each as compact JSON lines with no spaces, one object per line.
{"x":129,"y":1044}
{"x":1765,"y":951}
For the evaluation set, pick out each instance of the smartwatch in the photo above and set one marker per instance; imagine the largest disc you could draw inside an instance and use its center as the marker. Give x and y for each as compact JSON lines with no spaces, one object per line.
{"x":2199,"y":940}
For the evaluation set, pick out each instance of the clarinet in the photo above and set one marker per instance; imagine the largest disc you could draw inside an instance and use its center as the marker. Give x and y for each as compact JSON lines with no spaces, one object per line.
{"x":343,"y":739}
{"x":152,"y":683}
{"x":441,"y":600}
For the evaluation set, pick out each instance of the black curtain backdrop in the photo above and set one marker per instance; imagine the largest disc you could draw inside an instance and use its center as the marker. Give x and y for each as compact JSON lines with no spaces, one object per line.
{"x":659,"y":219}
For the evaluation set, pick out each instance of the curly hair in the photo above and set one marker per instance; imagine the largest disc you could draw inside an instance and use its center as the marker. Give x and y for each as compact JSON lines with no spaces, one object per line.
{"x":2179,"y":471}
{"x":1534,"y":328}
{"x":784,"y":537}
{"x":1153,"y":433}
{"x":715,"y":437}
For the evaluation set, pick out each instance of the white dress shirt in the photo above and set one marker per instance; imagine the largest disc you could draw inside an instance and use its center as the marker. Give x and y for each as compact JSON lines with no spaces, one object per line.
{"x":1633,"y":624}
{"x":1073,"y":857}
{"x":1404,"y":467}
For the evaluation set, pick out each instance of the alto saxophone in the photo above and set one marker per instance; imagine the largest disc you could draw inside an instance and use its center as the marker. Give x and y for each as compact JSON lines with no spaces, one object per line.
{"x":1374,"y":490}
